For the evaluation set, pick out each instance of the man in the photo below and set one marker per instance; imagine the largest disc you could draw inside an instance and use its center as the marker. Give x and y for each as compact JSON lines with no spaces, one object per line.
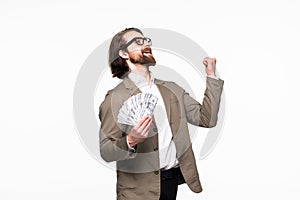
{"x":155,"y":155}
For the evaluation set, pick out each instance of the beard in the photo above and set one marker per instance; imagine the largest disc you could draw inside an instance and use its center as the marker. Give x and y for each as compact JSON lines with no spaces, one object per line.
{"x":144,"y":57}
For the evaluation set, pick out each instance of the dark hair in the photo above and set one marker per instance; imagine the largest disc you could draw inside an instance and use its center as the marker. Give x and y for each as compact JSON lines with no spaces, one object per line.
{"x":117,"y":64}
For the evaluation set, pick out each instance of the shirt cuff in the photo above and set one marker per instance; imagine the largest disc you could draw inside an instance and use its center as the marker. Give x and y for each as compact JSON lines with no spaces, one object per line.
{"x":213,"y":76}
{"x":130,"y":148}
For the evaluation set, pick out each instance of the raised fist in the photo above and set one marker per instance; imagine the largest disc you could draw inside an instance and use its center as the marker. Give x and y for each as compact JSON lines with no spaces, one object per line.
{"x":210,"y":65}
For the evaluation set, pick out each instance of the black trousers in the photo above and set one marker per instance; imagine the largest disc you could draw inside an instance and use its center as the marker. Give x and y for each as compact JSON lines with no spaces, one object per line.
{"x":169,"y":181}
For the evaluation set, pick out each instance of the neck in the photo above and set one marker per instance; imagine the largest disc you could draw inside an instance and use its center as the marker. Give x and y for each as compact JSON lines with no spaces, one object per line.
{"x":141,"y":70}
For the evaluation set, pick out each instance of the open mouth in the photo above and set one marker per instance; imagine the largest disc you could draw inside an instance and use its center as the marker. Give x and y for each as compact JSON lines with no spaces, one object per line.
{"x":147,"y":51}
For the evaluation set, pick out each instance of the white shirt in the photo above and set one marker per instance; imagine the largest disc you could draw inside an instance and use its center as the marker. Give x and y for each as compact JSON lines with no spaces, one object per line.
{"x":167,"y":149}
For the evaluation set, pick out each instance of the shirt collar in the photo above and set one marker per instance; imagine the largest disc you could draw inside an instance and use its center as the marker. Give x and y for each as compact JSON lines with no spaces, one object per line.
{"x":140,"y":81}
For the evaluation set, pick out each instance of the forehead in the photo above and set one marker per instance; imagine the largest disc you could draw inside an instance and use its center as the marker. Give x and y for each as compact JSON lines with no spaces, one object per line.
{"x":130,"y":35}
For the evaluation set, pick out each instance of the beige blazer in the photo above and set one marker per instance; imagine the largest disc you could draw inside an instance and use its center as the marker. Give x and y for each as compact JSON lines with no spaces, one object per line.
{"x":138,"y":173}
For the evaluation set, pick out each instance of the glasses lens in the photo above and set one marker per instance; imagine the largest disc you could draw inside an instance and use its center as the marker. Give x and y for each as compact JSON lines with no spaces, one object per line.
{"x":139,"y":41}
{"x":148,"y":41}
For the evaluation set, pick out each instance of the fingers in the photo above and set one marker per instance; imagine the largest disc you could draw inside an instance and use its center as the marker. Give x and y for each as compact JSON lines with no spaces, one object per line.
{"x":146,"y":128}
{"x":205,"y":61}
{"x":214,"y":60}
{"x":142,"y":121}
{"x":142,"y":128}
{"x":145,"y":124}
{"x":208,"y":60}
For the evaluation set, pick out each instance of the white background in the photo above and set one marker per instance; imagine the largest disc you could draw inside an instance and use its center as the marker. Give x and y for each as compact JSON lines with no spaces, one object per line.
{"x":44,"y":43}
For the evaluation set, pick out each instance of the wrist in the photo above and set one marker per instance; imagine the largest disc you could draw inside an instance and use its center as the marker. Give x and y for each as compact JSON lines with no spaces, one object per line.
{"x":213,"y":76}
{"x":210,"y":73}
{"x":131,"y":143}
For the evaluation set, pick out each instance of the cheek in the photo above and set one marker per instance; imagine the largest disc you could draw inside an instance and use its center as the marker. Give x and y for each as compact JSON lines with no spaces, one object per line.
{"x":134,"y":48}
{"x":135,"y":55}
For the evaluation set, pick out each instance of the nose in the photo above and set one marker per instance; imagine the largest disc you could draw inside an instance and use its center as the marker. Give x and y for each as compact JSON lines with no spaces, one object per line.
{"x":146,"y":45}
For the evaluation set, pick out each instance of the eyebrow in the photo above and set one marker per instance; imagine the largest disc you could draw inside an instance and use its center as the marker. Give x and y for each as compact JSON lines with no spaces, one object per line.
{"x":134,"y":37}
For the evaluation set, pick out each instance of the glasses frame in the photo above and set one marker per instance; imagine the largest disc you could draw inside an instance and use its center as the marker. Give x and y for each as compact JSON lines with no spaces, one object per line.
{"x":136,"y":39}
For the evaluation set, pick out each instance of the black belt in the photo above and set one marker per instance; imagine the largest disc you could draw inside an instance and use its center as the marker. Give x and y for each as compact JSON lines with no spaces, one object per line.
{"x":173,"y":173}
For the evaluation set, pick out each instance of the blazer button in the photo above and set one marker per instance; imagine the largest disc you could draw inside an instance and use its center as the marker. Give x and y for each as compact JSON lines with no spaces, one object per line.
{"x":156,"y":172}
{"x":155,"y":129}
{"x":155,"y":149}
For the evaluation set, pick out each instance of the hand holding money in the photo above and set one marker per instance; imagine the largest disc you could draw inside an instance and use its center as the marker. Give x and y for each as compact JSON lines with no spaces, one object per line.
{"x":140,"y":131}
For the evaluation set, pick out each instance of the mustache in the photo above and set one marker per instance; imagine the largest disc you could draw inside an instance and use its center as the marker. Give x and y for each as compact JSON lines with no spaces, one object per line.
{"x":147,"y":50}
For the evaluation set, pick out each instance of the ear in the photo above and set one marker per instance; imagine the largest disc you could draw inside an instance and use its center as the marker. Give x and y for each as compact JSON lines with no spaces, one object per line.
{"x":123,"y":54}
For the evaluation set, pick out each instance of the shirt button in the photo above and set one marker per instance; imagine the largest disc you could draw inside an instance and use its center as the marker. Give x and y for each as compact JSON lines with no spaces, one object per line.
{"x":155,"y":129}
{"x":156,"y":172}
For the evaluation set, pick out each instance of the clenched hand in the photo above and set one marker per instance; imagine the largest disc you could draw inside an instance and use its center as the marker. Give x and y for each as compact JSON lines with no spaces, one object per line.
{"x":210,"y":65}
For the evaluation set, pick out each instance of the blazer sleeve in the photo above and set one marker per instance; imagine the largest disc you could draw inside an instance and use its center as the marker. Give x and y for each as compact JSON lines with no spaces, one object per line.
{"x":205,"y":115}
{"x":113,"y":143}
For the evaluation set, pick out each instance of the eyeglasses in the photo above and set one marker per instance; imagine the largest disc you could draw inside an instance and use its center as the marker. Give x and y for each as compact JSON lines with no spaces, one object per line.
{"x":139,"y":41}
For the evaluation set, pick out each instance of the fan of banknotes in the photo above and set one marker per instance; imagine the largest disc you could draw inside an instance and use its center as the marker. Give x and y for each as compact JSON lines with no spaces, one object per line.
{"x":136,"y":107}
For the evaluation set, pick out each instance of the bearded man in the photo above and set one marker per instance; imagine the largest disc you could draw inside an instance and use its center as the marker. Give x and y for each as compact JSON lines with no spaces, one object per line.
{"x":155,"y":155}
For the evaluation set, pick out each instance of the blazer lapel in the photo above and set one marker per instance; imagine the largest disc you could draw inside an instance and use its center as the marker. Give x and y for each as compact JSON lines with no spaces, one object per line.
{"x":131,"y":87}
{"x":171,"y":104}
{"x":164,"y":91}
{"x":167,"y":96}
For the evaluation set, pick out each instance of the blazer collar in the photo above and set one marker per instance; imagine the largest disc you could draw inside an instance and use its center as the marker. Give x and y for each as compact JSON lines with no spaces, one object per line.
{"x":129,"y":84}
